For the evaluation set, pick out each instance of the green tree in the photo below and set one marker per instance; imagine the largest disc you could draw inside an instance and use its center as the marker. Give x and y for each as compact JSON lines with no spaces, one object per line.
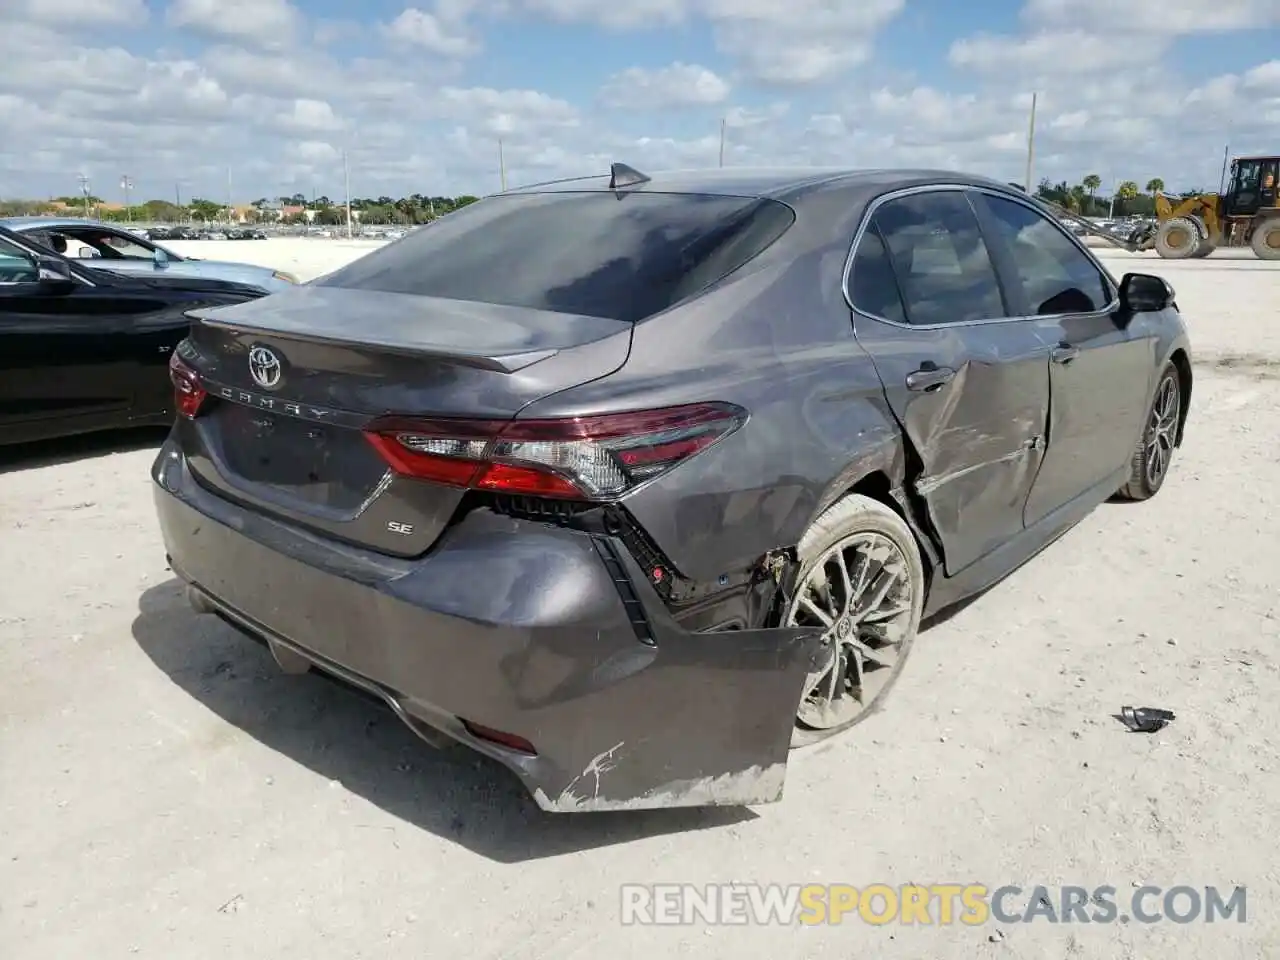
{"x":1091,"y":183}
{"x":206,"y":210}
{"x":1155,"y":185}
{"x":1126,"y":193}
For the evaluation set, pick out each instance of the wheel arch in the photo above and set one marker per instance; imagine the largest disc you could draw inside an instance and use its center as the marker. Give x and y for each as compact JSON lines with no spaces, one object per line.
{"x":879,"y":485}
{"x":1182,"y":363}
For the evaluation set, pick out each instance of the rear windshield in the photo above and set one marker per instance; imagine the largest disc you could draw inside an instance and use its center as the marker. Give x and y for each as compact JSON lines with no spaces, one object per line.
{"x":619,"y":256}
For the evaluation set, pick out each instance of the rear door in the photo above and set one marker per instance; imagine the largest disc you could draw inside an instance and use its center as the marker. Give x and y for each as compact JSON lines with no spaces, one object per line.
{"x":1100,"y":374}
{"x":966,"y":379}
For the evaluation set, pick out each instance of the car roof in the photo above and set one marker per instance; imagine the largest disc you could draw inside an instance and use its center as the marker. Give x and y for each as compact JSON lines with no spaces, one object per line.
{"x":23,"y":223}
{"x":779,"y":183}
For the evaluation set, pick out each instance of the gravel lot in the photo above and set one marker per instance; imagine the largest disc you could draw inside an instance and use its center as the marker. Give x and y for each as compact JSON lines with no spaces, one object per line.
{"x":165,"y":792}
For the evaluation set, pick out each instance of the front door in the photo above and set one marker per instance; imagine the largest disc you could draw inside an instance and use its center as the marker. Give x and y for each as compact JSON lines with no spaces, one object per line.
{"x":1269,"y":192}
{"x":1099,"y":374}
{"x":67,"y":358}
{"x":968,"y":383}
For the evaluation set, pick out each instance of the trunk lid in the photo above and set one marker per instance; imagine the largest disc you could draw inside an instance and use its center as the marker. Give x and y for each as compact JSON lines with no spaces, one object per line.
{"x":295,"y":377}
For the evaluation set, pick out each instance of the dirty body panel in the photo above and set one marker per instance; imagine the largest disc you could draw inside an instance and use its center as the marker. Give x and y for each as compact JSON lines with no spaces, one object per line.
{"x":542,"y":645}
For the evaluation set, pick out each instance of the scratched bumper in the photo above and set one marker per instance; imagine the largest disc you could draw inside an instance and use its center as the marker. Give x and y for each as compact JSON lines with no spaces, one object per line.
{"x":514,"y":626}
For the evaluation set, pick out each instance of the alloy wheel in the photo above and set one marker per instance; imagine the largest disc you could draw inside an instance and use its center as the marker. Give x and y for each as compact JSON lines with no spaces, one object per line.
{"x":1162,"y":431}
{"x":860,"y":594}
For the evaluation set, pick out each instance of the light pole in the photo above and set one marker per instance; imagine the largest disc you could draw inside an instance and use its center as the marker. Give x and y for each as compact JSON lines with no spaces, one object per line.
{"x":346,"y":178}
{"x":84,"y":189}
{"x":126,"y":185}
{"x":1031,"y":142}
{"x":723,"y":124}
{"x":502,"y":167}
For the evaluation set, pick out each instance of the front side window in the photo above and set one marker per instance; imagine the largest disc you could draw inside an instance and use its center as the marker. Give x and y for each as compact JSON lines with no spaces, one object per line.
{"x":939,"y":258}
{"x":108,"y":245}
{"x":1055,"y":276}
{"x":622,"y":256}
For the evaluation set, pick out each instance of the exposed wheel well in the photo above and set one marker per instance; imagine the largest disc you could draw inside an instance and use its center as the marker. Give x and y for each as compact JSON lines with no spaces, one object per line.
{"x":877,"y":486}
{"x":1183,"y":365}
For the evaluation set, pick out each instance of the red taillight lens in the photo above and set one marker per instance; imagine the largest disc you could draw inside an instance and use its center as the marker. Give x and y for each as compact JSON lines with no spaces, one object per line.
{"x":188,"y":393}
{"x":594,"y":458}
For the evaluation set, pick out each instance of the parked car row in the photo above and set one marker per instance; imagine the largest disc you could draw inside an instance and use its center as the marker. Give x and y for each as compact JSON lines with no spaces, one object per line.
{"x":106,"y":246}
{"x":206,"y":233}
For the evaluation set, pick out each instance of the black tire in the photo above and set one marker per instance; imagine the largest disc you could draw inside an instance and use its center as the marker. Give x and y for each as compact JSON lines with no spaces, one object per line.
{"x":1204,"y":250}
{"x":1266,"y":239}
{"x":1144,"y":481}
{"x":847,"y":519}
{"x":1177,"y":239}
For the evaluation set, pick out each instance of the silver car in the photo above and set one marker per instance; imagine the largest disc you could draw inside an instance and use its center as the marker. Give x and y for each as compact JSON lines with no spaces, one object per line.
{"x":122,"y":251}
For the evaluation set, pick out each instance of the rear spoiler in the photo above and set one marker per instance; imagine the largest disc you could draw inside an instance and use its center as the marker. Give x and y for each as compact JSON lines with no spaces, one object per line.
{"x":498,"y":363}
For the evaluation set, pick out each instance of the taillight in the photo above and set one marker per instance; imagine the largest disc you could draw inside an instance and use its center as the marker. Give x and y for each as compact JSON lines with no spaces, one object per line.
{"x":593,"y":458}
{"x":188,"y":393}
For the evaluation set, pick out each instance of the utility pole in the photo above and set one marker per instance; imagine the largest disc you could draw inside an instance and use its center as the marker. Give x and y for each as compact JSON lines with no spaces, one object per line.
{"x":84,"y":189}
{"x":723,"y":124}
{"x":126,"y":185}
{"x":1226,"y":161}
{"x":1031,"y":144}
{"x":230,"y":214}
{"x":502,"y":167}
{"x":346,"y":177}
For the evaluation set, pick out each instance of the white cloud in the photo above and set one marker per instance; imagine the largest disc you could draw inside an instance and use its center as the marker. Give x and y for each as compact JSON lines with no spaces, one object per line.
{"x":1053,"y":52}
{"x":677,"y":85}
{"x":442,"y":32}
{"x":264,"y":23}
{"x":82,"y":13}
{"x":1174,"y":17}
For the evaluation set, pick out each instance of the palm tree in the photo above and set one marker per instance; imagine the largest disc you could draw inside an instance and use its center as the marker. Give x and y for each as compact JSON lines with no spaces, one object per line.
{"x":1127,"y":191}
{"x":1155,"y":185}
{"x":1091,"y":183}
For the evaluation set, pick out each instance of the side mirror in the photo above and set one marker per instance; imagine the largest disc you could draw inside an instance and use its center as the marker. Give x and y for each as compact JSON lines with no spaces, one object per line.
{"x":54,"y":275}
{"x":87,"y":253}
{"x":160,"y":257}
{"x":1145,"y":293}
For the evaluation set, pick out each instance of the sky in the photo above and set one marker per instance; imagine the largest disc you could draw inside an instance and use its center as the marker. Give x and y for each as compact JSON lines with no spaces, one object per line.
{"x":263,"y":98}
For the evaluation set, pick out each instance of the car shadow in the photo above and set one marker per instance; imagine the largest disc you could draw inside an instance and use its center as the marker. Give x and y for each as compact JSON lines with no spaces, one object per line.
{"x":347,"y":737}
{"x":51,"y":453}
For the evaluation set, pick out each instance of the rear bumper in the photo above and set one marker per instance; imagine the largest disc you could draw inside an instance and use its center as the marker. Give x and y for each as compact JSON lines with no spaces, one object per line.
{"x":515,"y":626}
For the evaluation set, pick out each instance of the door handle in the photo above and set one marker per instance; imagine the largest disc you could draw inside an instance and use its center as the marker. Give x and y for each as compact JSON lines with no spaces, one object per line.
{"x":929,"y":379}
{"x":1064,"y":353}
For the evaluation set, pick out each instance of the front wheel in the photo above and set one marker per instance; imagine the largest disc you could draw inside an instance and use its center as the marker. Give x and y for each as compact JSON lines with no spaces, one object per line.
{"x":862,"y":583}
{"x":1151,"y":457}
{"x":1177,"y":239}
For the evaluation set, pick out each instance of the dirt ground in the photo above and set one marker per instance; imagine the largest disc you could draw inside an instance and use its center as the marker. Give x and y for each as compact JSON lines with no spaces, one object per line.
{"x":165,"y":792}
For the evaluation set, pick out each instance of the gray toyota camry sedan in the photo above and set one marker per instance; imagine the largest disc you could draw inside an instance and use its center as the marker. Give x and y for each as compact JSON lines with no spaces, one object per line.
{"x":635,"y":483}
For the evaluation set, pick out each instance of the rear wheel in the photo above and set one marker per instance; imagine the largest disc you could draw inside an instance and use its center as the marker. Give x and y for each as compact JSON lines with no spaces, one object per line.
{"x":1266,"y":240}
{"x":1205,"y":249}
{"x":1151,"y":458}
{"x":862,"y":582}
{"x":1177,"y":239}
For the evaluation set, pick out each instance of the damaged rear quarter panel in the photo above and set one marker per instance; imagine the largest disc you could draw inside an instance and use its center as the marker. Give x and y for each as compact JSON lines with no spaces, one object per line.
{"x":778,"y":342}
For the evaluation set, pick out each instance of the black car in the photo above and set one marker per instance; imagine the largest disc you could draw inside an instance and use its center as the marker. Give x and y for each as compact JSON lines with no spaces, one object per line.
{"x":633,"y":482}
{"x":88,"y":350}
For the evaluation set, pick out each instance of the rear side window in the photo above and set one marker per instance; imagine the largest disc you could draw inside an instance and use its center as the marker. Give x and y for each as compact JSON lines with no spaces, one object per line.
{"x":620,"y":256}
{"x":940,"y":259}
{"x":1056,"y":277}
{"x":872,"y":286}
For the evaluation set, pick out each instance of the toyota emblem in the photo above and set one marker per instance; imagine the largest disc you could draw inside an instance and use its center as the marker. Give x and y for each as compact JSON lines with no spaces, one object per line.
{"x":264,"y":367}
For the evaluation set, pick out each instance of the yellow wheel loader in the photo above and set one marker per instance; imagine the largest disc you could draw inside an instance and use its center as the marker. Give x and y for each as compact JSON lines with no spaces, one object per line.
{"x":1246,"y":215}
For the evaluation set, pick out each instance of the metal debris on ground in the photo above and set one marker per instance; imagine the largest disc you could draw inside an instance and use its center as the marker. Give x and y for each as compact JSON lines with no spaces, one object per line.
{"x":1145,"y":719}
